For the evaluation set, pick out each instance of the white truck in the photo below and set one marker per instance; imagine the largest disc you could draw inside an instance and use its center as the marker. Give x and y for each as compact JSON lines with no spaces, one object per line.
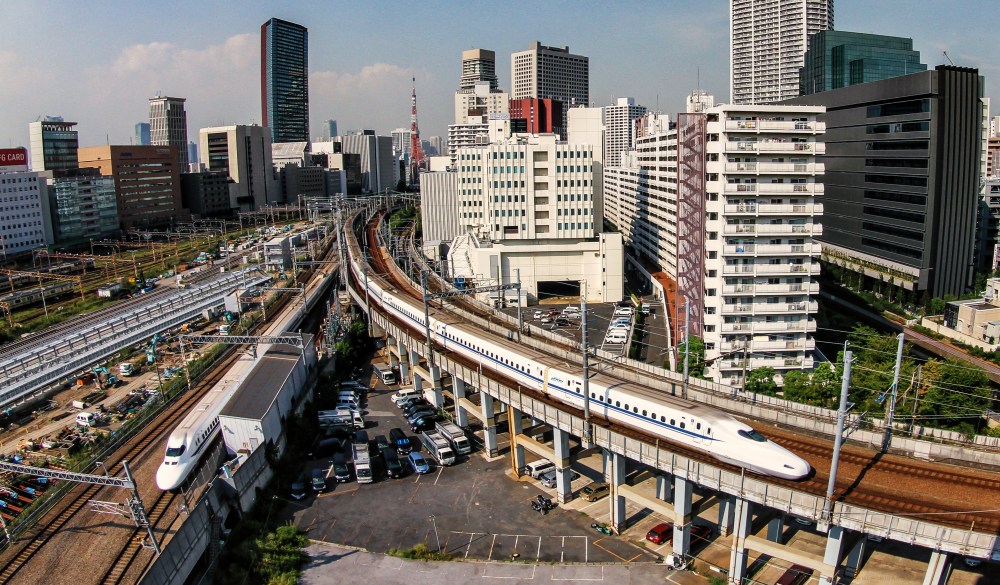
{"x":126,"y":368}
{"x":341,"y":417}
{"x":438,"y":447}
{"x":363,"y":464}
{"x":456,"y":436}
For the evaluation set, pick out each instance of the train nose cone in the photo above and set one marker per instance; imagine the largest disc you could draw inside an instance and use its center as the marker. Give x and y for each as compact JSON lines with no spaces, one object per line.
{"x":166,"y":477}
{"x":796,"y":468}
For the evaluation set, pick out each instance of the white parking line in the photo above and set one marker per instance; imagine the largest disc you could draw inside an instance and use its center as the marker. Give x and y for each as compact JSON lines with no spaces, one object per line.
{"x":492,"y":544}
{"x":575,"y":579}
{"x":440,"y":469}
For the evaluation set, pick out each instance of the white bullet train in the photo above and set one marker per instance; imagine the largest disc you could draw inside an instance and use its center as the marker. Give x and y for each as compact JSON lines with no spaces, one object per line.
{"x":681,"y":421}
{"x":199,"y":428}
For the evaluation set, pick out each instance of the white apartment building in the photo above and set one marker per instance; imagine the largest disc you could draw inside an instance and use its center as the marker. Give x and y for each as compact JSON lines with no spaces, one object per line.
{"x":724,"y":203}
{"x":618,"y":128}
{"x":168,"y":126}
{"x":475,"y":133}
{"x":767,"y":43}
{"x":22,"y":213}
{"x":401,"y":143}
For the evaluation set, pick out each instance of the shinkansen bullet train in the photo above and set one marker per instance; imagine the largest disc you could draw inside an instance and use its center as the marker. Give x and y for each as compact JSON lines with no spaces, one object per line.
{"x":680,"y":421}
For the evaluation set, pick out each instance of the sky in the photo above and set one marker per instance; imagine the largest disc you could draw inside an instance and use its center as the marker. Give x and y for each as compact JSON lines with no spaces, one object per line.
{"x":98,"y":62}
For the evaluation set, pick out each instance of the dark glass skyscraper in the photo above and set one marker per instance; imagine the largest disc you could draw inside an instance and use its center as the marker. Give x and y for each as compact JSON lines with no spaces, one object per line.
{"x":838,"y":59}
{"x":284,"y":80}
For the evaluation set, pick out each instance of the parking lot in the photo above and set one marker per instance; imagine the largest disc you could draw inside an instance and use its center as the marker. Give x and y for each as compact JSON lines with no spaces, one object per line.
{"x":475,"y":509}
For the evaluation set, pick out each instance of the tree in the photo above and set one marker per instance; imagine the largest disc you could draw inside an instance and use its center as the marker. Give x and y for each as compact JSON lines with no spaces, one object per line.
{"x":955,"y":395}
{"x":761,"y":381}
{"x":797,"y":386}
{"x":280,"y":554}
{"x":696,"y":359}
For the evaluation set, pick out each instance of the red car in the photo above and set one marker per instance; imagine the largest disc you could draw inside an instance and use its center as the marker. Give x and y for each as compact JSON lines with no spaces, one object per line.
{"x":661,"y":533}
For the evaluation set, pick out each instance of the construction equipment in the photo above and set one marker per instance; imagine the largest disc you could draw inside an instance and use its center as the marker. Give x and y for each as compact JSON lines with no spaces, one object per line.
{"x":105,"y":378}
{"x":151,"y":352}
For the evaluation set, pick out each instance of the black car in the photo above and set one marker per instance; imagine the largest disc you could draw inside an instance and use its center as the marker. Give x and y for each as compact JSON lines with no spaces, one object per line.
{"x":326,"y":446}
{"x":420,"y":414}
{"x":423,"y":423}
{"x":408,"y":409}
{"x":393,"y":468}
{"x":341,"y":468}
{"x":401,"y":441}
{"x":299,"y":487}
{"x":381,"y":442}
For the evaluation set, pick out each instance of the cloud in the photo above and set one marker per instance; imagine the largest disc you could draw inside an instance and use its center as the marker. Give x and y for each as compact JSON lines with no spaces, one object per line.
{"x":376,"y":97}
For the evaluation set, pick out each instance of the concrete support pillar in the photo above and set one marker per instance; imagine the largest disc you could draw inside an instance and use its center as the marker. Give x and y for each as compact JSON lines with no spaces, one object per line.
{"x":489,"y":425}
{"x":738,"y":552}
{"x":515,"y":423}
{"x":834,"y":546}
{"x":414,"y":362}
{"x":437,"y":395}
{"x":682,"y":516}
{"x":404,"y":363}
{"x":853,"y":563}
{"x":617,"y":501}
{"x":458,"y":388}
{"x":938,"y":569}
{"x":664,"y":488}
{"x":606,"y":465}
{"x":774,"y":528}
{"x":564,"y":476}
{"x":727,"y":514}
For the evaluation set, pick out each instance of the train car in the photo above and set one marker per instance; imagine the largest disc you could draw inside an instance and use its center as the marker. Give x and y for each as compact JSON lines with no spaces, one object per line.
{"x":680,"y":421}
{"x":23,"y":298}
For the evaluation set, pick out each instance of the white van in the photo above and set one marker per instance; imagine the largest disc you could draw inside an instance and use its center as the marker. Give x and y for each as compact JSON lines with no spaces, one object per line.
{"x":350,"y":402}
{"x":404,"y":394}
{"x":538,"y":468}
{"x":616,"y":337}
{"x":86,"y":419}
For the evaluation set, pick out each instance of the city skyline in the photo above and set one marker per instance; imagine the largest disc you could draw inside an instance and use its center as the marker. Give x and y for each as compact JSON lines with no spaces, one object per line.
{"x":212,"y":59}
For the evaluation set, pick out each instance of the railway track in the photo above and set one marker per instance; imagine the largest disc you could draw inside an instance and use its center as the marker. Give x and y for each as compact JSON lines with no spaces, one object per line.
{"x":889,"y":483}
{"x":75,"y":500}
{"x":129,"y":553}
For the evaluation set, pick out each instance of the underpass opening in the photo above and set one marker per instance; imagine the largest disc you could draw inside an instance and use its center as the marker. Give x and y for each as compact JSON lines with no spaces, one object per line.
{"x":552,"y":290}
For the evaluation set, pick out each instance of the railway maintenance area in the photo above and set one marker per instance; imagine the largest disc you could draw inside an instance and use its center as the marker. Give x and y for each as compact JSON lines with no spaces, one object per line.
{"x":892,"y":517}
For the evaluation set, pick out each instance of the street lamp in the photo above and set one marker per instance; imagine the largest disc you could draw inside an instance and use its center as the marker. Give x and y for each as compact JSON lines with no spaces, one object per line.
{"x":436,"y":537}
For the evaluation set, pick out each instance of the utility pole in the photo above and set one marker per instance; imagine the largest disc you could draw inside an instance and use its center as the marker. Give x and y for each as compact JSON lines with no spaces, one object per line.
{"x":838,"y":439}
{"x":587,"y":438}
{"x":891,"y":407}
{"x":916,"y":397}
{"x":520,"y":319}
{"x":427,"y":328}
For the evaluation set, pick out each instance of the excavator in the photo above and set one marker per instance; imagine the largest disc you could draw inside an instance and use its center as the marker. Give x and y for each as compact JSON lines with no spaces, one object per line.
{"x":104,"y":378}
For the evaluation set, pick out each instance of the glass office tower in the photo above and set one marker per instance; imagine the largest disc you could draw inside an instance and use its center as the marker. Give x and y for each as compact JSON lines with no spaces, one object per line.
{"x":284,"y":83}
{"x":838,"y":59}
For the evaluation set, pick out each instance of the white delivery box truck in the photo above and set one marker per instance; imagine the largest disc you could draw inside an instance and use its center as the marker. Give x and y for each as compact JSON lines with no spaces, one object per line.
{"x":437,"y":447}
{"x":456,"y":436}
{"x":341,"y":417}
{"x":363,"y":464}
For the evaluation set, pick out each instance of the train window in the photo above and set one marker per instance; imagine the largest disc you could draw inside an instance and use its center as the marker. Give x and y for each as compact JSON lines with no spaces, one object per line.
{"x":175,"y":451}
{"x":635,"y":409}
{"x":682,"y":424}
{"x":698,"y":426}
{"x":593,"y":394}
{"x":708,"y":431}
{"x":626,"y":406}
{"x":752,"y":435}
{"x":617,"y":403}
{"x":663,"y":419}
{"x":672,"y":423}
{"x":644,"y":413}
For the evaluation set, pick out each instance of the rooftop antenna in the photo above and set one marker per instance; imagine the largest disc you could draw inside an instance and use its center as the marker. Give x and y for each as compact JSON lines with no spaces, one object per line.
{"x":949,"y":58}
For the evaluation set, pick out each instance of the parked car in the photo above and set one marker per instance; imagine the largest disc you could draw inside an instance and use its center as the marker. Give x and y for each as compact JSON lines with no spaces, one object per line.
{"x":419,"y":415}
{"x":700,"y":533}
{"x":423,"y":423}
{"x":411,"y":401}
{"x":341,"y":468}
{"x":663,"y":532}
{"x":318,"y":480}
{"x":298,"y":488}
{"x":393,"y":468}
{"x":795,"y":575}
{"x":381,"y":442}
{"x":547,"y":319}
{"x":418,"y":463}
{"x":549,"y":479}
{"x":595,"y":491}
{"x":401,"y":441}
{"x":562,"y":322}
{"x":419,"y":405}
{"x":539,"y":314}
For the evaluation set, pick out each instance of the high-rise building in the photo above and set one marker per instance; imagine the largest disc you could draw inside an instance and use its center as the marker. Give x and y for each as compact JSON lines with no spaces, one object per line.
{"x":837,"y":58}
{"x":551,"y":72}
{"x":83,"y":205}
{"x":142,"y":134}
{"x":147,"y":182}
{"x":438,"y":144}
{"x":54,"y":144}
{"x":168,"y":126}
{"x":206,"y":194}
{"x":401,"y":143}
{"x":726,"y":224}
{"x":377,"y":162}
{"x":536,"y":116}
{"x":619,"y":120}
{"x":192,"y":148}
{"x":479,"y":92}
{"x":23,"y":214}
{"x":243,"y":153}
{"x":284,"y":84}
{"x":767,"y":42}
{"x":902,"y":180}
{"x":331,"y":129}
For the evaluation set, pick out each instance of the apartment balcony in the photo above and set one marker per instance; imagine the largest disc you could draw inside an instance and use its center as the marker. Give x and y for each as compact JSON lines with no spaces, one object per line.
{"x":772,"y":249}
{"x":791,"y":363}
{"x":811,"y":288}
{"x":772,"y":168}
{"x":774,"y":126}
{"x":769,"y":308}
{"x":783,"y":209}
{"x":792,"y":230}
{"x":802,"y":344}
{"x":786,"y":269}
{"x":773,"y":146}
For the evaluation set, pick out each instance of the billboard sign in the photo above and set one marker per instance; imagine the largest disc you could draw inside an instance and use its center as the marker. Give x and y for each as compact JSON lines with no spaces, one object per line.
{"x":13,"y":159}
